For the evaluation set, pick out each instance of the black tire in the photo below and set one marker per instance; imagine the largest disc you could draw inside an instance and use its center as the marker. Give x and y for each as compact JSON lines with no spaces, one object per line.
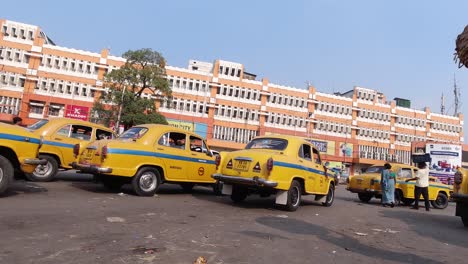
{"x":465,"y":220}
{"x":294,"y":196}
{"x":398,"y":197}
{"x":146,"y":182}
{"x":407,"y":201}
{"x":218,"y":188}
{"x":441,"y":201}
{"x":238,"y":194}
{"x":44,"y":173}
{"x":113,"y":184}
{"x":188,"y":187}
{"x":7,"y":173}
{"x":364,"y":197}
{"x":330,"y":196}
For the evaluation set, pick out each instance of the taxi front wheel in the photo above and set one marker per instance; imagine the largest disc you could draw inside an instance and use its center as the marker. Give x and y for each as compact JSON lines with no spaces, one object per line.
{"x":441,"y":201}
{"x":6,"y":173}
{"x":146,"y":181}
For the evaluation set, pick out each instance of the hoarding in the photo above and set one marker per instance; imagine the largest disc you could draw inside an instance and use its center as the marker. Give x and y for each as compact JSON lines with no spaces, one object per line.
{"x":445,"y":159}
{"x":77,"y":112}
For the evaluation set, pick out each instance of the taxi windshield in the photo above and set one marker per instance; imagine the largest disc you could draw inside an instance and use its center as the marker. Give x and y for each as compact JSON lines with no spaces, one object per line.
{"x":38,"y":124}
{"x":267,"y":143}
{"x":374,"y":169}
{"x":134,"y":133}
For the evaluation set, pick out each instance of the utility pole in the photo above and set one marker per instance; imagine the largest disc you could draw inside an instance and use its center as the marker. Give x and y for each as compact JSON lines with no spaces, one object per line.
{"x":442,"y":104}
{"x":457,"y":95}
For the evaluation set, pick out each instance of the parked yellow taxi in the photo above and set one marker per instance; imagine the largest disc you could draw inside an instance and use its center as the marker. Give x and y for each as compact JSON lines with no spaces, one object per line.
{"x":60,"y":136}
{"x":285,"y":166}
{"x":367,"y":185}
{"x":460,"y":194}
{"x":19,"y":150}
{"x":148,"y":155}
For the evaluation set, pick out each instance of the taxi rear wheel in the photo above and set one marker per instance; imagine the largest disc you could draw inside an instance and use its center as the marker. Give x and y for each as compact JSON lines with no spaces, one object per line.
{"x":146,"y":181}
{"x":44,"y":173}
{"x":441,"y":201}
{"x":6,"y":173}
{"x":364,"y":197}
{"x":407,"y":201}
{"x":294,"y":196}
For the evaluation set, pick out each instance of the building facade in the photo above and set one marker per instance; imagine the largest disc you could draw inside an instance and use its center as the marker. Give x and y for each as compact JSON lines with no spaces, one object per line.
{"x":221,"y":101}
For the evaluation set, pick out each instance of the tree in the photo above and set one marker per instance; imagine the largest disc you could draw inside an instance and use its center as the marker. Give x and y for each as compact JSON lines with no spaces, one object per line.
{"x":143,"y":73}
{"x":461,"y":49}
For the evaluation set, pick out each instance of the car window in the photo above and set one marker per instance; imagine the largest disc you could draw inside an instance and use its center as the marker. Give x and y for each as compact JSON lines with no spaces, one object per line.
{"x":81,"y":132}
{"x":316,"y":156}
{"x":134,"y":133}
{"x":173,"y":139}
{"x":405,"y":172}
{"x":197,"y":144}
{"x":103,"y":134}
{"x":374,"y":169}
{"x":64,"y":131}
{"x":267,"y":143}
{"x":304,"y":152}
{"x":38,"y":124}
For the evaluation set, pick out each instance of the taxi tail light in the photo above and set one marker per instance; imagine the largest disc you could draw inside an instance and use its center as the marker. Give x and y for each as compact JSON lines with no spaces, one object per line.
{"x":76,"y":150}
{"x":458,"y":178}
{"x":104,"y":152}
{"x":217,"y":161}
{"x":269,"y":164}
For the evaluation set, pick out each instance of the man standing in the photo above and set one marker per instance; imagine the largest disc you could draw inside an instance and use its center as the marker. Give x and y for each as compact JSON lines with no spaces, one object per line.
{"x":422,"y":186}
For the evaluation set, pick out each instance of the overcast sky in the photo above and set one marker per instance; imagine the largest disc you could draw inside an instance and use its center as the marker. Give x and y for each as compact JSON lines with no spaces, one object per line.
{"x":401,"y":48}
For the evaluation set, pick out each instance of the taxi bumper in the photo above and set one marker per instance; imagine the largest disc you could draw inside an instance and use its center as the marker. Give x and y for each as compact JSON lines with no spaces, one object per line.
{"x":88,"y":168}
{"x":254,"y":181}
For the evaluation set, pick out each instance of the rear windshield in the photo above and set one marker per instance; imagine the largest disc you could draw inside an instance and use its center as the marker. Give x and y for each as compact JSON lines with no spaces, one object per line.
{"x":134,"y":133}
{"x":374,"y":169}
{"x":267,"y":143}
{"x":38,"y":124}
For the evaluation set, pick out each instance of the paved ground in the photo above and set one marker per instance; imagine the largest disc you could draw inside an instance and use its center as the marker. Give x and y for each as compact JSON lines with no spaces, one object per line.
{"x":73,"y":220}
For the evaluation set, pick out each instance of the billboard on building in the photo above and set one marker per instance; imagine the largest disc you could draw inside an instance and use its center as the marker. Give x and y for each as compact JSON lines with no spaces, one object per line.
{"x":324,"y":146}
{"x":445,"y":159}
{"x":77,"y":112}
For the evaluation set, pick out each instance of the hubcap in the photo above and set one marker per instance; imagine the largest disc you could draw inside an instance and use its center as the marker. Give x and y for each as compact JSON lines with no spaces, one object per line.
{"x":43,"y":170}
{"x":1,"y":174}
{"x":148,"y":181}
{"x":295,"y":196}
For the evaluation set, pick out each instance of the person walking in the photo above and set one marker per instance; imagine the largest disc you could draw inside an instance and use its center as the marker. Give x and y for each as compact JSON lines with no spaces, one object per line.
{"x":387,"y":181}
{"x":421,"y":186}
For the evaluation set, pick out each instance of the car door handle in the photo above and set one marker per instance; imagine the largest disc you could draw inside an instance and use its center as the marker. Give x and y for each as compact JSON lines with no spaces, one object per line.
{"x":59,"y":139}
{"x":159,"y":148}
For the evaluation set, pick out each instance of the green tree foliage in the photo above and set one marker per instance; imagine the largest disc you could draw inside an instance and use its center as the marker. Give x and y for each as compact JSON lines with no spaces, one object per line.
{"x":144,"y":72}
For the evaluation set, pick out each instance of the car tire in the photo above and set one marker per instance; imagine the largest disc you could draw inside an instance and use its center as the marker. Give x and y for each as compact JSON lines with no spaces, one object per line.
{"x":441,"y":201}
{"x":294,"y":196}
{"x":218,"y":188}
{"x":330,"y":196}
{"x":146,"y":182}
{"x":6,"y":173}
{"x":364,"y":197}
{"x":238,"y":194}
{"x":187,"y":187}
{"x":398,"y":197}
{"x":44,"y":173}
{"x":113,"y":184}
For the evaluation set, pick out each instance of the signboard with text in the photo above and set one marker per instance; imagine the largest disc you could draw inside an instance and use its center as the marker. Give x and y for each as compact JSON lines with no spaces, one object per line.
{"x":77,"y":112}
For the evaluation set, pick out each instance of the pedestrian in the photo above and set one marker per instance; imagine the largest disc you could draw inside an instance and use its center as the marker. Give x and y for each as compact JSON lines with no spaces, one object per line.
{"x":421,"y":186}
{"x":17,"y":121}
{"x":387,"y":181}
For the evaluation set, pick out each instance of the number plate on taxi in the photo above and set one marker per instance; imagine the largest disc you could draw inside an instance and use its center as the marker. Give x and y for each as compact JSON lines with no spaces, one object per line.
{"x":89,"y":154}
{"x":241,"y":165}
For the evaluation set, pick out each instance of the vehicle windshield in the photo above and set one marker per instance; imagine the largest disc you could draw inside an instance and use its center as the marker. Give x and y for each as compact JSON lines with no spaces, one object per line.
{"x":374,"y":169}
{"x":38,"y":124}
{"x":134,"y":133}
{"x":268,"y":143}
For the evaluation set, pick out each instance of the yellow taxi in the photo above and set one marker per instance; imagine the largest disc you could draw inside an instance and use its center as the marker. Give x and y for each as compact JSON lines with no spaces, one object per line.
{"x":19,"y":150}
{"x":367,"y":185}
{"x":460,"y":194}
{"x":60,"y":136}
{"x":147,"y":156}
{"x":285,"y":166}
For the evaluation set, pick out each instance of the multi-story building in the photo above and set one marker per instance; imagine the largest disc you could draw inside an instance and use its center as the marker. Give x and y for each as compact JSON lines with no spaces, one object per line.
{"x":221,"y":101}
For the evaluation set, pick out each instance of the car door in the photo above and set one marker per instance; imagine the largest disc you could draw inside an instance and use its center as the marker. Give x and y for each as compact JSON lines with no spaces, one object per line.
{"x":171,"y":149}
{"x":307,"y":168}
{"x":202,"y":164}
{"x":65,"y":138}
{"x":319,"y":172}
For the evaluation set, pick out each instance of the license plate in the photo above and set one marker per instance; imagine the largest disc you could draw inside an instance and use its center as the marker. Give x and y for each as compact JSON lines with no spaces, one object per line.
{"x":89,"y":155}
{"x":242,"y":165}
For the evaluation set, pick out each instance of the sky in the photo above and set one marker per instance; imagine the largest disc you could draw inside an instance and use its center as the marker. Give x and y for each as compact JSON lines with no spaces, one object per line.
{"x":400,"y":48}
